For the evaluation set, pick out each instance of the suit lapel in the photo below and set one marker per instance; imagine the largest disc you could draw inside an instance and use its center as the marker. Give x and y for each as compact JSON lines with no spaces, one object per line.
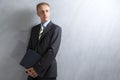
{"x":37,"y":30}
{"x":46,"y":29}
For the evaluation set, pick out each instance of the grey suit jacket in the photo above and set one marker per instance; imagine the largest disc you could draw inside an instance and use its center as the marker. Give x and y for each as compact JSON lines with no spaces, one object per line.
{"x":47,"y":47}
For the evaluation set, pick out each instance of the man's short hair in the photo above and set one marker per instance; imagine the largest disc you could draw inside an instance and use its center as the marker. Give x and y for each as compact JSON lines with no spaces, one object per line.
{"x":42,"y":3}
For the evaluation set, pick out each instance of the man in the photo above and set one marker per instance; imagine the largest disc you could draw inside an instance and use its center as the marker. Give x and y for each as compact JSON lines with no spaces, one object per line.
{"x":46,"y":43}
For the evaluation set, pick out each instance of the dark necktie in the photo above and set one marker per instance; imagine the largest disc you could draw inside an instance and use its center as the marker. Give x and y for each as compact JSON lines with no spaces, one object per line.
{"x":41,"y":31}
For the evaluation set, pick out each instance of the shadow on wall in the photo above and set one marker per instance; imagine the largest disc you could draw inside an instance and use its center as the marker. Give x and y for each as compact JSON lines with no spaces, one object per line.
{"x":21,"y":22}
{"x":18,"y":25}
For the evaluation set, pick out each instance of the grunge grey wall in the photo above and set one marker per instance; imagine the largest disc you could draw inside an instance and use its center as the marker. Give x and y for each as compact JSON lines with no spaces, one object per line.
{"x":90,"y":47}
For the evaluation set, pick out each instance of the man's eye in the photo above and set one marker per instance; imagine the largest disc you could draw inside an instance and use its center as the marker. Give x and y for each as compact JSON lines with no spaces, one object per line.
{"x":42,"y":12}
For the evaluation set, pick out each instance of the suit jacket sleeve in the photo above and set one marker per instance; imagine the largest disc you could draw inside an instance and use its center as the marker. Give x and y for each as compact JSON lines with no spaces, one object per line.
{"x":51,"y":52}
{"x":30,"y":40}
{"x":31,"y":56}
{"x":33,"y":39}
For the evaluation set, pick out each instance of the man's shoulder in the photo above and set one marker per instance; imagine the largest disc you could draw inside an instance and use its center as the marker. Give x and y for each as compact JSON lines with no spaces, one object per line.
{"x":55,"y":25}
{"x":36,"y":26}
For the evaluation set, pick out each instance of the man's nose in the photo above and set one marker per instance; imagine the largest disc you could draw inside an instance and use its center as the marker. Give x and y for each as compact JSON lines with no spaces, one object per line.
{"x":45,"y":13}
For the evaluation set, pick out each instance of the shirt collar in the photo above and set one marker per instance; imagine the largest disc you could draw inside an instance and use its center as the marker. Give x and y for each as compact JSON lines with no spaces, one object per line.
{"x":46,"y":23}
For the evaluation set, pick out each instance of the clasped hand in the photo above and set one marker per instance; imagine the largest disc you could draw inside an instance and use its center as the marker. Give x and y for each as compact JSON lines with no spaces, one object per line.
{"x":31,"y":72}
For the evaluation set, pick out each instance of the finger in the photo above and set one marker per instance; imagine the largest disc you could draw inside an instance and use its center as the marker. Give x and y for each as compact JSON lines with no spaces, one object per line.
{"x":29,"y":69}
{"x":35,"y":75}
{"x":31,"y":72}
{"x":26,"y":71}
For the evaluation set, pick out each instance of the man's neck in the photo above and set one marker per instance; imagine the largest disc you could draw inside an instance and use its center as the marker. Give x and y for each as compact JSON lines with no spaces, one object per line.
{"x":45,"y":23}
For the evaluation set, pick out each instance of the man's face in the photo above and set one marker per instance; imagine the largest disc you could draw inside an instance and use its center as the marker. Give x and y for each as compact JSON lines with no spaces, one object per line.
{"x":44,"y":13}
